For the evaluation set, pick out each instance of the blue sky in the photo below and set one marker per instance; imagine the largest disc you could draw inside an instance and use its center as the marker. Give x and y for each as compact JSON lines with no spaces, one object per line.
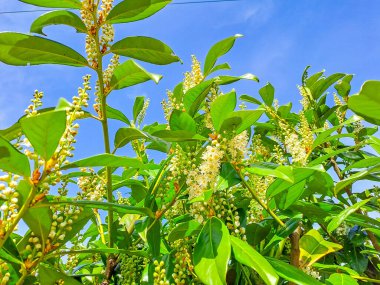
{"x":280,"y":39}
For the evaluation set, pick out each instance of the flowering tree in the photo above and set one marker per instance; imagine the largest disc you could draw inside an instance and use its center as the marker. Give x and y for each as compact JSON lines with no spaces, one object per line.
{"x":244,"y":195}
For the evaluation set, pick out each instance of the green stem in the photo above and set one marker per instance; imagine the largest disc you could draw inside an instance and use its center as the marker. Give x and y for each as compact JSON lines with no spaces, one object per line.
{"x":19,"y":216}
{"x":262,"y":204}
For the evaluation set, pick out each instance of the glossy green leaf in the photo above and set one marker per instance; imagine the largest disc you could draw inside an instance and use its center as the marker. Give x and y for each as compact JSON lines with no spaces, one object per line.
{"x":184,"y":230}
{"x":178,"y":136}
{"x":6,"y":256}
{"x":221,"y":107}
{"x":145,"y":49}
{"x":339,"y":219}
{"x":322,"y":84}
{"x":119,"y":208}
{"x":21,"y":49}
{"x":115,"y":114}
{"x":341,"y":279}
{"x":12,"y":160}
{"x":125,"y":135}
{"x":38,"y":220}
{"x":222,"y":66}
{"x":267,"y":94}
{"x":250,"y":99}
{"x":130,"y":73}
{"x":73,"y":4}
{"x":132,"y":10}
{"x":195,"y":96}
{"x":313,"y":247}
{"x":57,"y":18}
{"x":361,"y":175}
{"x":182,"y":121}
{"x":138,"y":106}
{"x":212,"y":253}
{"x":216,"y":51}
{"x":291,"y":273}
{"x":105,"y":160}
{"x":154,"y":238}
{"x":241,"y":120}
{"x":226,"y":79}
{"x":49,"y":276}
{"x":367,"y":102}
{"x":245,"y":254}
{"x":282,"y":172}
{"x":45,"y":131}
{"x":343,"y":87}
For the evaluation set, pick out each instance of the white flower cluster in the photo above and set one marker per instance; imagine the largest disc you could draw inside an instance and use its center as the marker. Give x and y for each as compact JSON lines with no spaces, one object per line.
{"x":9,"y":197}
{"x":306,"y":96}
{"x":108,"y":72}
{"x":194,"y":77}
{"x":260,"y":185}
{"x":204,"y":178}
{"x":36,"y":103}
{"x":237,"y":146}
{"x":92,"y":186}
{"x":338,"y":112}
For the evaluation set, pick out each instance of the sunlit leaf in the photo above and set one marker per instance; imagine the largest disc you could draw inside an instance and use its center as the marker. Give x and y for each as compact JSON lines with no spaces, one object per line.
{"x":74,"y":4}
{"x":145,"y":49}
{"x":21,"y":49}
{"x":58,"y":18}
{"x":212,"y":253}
{"x":45,"y":131}
{"x":12,"y":160}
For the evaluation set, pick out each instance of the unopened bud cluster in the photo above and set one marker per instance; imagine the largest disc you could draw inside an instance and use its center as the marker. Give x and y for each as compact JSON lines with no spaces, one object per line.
{"x":159,"y":274}
{"x":92,"y":186}
{"x":194,"y":77}
{"x":5,"y":276}
{"x":36,"y":103}
{"x":132,"y":267}
{"x":183,"y":265}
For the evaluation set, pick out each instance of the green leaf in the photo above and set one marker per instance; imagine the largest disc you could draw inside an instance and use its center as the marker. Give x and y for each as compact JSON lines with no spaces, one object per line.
{"x":218,"y":50}
{"x":321,"y":85}
{"x":5,"y":256}
{"x":132,"y":10}
{"x":226,"y":79}
{"x":361,"y":175}
{"x":58,"y":18}
{"x":343,"y":87}
{"x":339,"y":219}
{"x":241,"y":120}
{"x":178,"y":136}
{"x":12,"y":160}
{"x":245,"y":254}
{"x":267,"y":94}
{"x":45,"y":131}
{"x":222,"y":106}
{"x":115,"y":114}
{"x":21,"y":49}
{"x":212,"y":253}
{"x":38,"y":220}
{"x":105,"y":160}
{"x":223,"y":66}
{"x":138,"y":106}
{"x":367,"y":103}
{"x":119,"y":208}
{"x":184,"y":230}
{"x":73,"y":4}
{"x":282,"y":172}
{"x":48,"y":276}
{"x":125,"y":135}
{"x":341,"y":279}
{"x":291,"y":273}
{"x":182,"y":121}
{"x":250,"y":99}
{"x":313,"y":247}
{"x":145,"y":49}
{"x":130,"y":73}
{"x":195,"y":96}
{"x":154,"y":238}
